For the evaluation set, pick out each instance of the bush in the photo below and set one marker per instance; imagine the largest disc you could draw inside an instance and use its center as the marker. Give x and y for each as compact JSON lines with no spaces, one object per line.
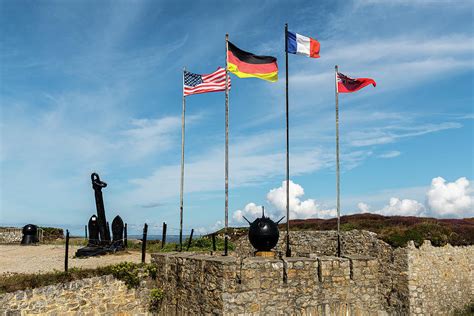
{"x":156,"y":297}
{"x":127,"y":272}
{"x":52,"y":233}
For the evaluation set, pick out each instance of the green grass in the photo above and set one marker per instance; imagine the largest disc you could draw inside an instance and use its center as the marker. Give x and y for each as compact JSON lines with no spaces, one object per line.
{"x":128,"y":272}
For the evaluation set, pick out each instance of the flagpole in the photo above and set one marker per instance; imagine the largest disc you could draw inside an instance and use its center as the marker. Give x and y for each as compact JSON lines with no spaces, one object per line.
{"x":181,"y":197}
{"x":288,"y":249}
{"x":226,"y":147}
{"x":337,"y":169}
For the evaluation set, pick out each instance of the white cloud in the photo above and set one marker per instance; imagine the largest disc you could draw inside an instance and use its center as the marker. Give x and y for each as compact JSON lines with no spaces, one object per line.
{"x":250,"y":211}
{"x":450,"y":198}
{"x":210,"y":229}
{"x":390,"y":154}
{"x":298,"y":208}
{"x":442,"y":199}
{"x":363,"y":207}
{"x":405,"y":207}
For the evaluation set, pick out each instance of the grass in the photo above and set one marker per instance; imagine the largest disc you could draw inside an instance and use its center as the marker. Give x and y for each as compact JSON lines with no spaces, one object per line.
{"x":203,"y":243}
{"x":128,"y":272}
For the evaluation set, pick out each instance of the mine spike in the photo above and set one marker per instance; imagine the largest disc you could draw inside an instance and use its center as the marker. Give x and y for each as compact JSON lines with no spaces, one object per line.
{"x":278,"y":222}
{"x":263,"y":211}
{"x":246,"y":219}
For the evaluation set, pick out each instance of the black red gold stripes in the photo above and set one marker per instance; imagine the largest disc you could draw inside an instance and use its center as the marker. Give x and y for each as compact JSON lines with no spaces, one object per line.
{"x":245,"y":65}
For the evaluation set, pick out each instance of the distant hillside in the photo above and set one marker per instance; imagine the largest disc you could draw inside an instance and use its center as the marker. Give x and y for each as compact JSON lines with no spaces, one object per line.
{"x":395,"y":230}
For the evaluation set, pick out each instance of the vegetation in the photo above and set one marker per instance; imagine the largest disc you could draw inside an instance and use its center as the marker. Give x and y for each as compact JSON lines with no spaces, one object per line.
{"x":468,"y":310}
{"x":156,"y":297}
{"x":128,"y":272}
{"x":203,"y":243}
{"x":395,"y":230}
{"x":52,"y":233}
{"x":398,"y":230}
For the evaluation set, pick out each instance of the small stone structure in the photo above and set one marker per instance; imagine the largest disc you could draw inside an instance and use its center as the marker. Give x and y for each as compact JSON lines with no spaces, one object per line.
{"x":10,"y":235}
{"x":197,"y":284}
{"x":91,"y":296}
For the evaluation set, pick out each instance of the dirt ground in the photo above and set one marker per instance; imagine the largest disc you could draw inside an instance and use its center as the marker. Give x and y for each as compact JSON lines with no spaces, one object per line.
{"x":46,"y":258}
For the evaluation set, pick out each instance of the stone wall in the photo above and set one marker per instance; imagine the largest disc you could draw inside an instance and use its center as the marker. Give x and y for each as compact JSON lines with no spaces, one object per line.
{"x":205,"y":284}
{"x":96,"y":295}
{"x":9,"y":235}
{"x":440,"y":279}
{"x":354,"y":242}
{"x":411,"y":280}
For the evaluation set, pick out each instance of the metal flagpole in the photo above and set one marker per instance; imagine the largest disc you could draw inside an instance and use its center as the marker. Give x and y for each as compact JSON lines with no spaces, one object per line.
{"x":337,"y":169}
{"x":182,"y":170}
{"x":226,"y":147}
{"x":288,"y":249}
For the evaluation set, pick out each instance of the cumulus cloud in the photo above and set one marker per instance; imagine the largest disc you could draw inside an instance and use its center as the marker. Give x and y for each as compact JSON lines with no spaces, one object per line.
{"x":298,"y":208}
{"x":405,"y":207}
{"x":450,"y":198}
{"x":363,"y":207}
{"x":210,"y":229}
{"x":250,"y":211}
{"x":442,"y":199}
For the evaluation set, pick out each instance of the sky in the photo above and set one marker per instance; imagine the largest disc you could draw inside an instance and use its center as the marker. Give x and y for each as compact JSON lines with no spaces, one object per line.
{"x":96,"y":86}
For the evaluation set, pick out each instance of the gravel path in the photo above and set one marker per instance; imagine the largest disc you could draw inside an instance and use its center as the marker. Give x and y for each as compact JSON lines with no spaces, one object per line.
{"x":46,"y":258}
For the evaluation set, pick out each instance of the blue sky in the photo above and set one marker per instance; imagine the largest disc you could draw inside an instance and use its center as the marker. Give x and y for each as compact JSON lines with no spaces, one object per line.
{"x":96,"y":86}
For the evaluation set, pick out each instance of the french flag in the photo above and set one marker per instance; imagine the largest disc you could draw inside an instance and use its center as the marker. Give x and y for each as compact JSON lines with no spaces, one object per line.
{"x":303,"y":45}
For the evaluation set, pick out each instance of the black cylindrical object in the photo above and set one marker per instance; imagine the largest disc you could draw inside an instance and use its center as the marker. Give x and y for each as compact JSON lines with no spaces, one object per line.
{"x":145,"y":232}
{"x":66,"y":257}
{"x":190,"y":239}
{"x":163,"y":238}
{"x":30,"y":234}
{"x":125,"y":236}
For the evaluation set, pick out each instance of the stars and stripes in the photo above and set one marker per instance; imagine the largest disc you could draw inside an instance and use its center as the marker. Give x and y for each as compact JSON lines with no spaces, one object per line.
{"x":195,"y":84}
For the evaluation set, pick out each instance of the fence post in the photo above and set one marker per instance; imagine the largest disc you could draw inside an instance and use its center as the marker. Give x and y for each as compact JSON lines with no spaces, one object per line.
{"x":67,"y":252}
{"x":163,"y":238}
{"x":190,"y":239}
{"x":125,"y":237}
{"x":145,"y":231}
{"x":214,"y":242}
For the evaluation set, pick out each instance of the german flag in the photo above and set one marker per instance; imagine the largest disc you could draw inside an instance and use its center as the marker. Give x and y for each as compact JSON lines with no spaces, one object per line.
{"x":245,"y":65}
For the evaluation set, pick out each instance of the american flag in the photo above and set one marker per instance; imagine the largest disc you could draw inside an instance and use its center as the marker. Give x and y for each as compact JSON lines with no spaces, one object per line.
{"x":195,"y":84}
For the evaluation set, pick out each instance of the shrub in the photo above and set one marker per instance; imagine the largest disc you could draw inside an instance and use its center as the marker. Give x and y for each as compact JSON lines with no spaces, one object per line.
{"x":156,"y":297}
{"x":127,"y":272}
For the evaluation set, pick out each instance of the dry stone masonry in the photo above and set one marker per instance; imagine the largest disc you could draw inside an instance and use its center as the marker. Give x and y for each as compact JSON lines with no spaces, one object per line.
{"x":90,"y":296}
{"x":371,"y":278}
{"x":10,"y":235}
{"x":203,"y":284}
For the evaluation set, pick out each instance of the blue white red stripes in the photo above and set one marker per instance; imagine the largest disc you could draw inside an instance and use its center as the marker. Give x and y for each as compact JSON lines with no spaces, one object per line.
{"x":303,"y":45}
{"x":195,"y":84}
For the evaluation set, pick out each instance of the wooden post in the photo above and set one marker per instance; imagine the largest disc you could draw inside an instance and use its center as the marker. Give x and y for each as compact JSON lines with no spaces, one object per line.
{"x":85,"y":231}
{"x":66,"y":257}
{"x":288,"y":249}
{"x":226,"y":147}
{"x":181,"y":196}
{"x":145,"y":231}
{"x":337,"y":170}
{"x":214,"y":242}
{"x":190,"y":239}
{"x":125,"y":236}
{"x":163,"y":238}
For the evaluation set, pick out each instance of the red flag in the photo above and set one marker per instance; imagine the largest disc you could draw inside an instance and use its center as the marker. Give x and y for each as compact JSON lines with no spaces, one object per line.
{"x":346,"y":84}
